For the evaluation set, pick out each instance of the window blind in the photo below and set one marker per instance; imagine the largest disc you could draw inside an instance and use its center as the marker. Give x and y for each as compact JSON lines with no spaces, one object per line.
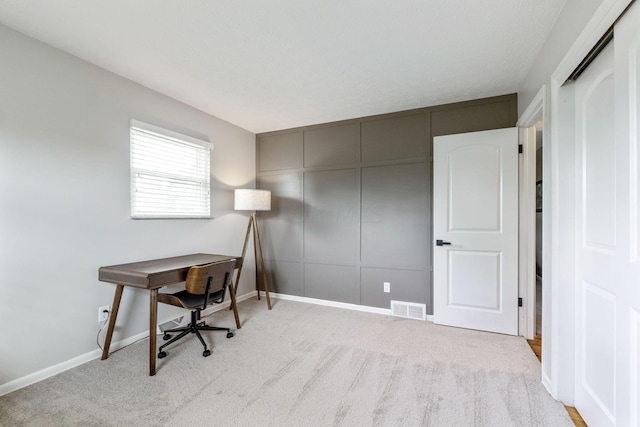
{"x":170,"y":175}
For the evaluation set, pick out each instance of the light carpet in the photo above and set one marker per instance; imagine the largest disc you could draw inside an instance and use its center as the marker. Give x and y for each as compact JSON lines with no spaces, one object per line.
{"x":303,"y":365}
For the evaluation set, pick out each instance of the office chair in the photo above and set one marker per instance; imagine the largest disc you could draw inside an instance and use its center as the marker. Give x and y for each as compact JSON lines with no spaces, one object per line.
{"x":205,"y":285}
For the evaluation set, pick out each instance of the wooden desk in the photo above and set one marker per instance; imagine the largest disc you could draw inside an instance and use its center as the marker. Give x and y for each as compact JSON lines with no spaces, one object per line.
{"x":153,"y":275}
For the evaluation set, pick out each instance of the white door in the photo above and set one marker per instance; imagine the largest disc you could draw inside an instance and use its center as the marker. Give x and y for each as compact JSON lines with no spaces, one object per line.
{"x":475,"y":230}
{"x":607,"y":232}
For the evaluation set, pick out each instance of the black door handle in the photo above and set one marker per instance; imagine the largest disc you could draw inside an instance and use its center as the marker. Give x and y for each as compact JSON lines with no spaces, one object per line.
{"x":442,"y":243}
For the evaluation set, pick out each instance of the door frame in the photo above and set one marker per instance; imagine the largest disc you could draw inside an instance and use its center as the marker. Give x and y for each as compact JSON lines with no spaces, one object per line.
{"x":528,"y":125}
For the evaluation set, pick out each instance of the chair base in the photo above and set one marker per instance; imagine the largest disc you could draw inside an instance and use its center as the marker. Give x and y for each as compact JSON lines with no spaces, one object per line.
{"x":193,"y":328}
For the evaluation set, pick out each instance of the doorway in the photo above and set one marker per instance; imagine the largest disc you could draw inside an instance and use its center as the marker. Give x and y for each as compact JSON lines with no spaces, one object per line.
{"x":538,"y":227}
{"x":531,"y":125}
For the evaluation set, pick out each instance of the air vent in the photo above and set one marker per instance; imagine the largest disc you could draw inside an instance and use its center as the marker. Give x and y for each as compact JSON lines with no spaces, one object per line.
{"x":409,"y":310}
{"x":171,"y":324}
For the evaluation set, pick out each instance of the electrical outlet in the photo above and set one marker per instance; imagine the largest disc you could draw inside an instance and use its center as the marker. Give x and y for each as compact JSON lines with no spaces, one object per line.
{"x":387,"y":287}
{"x":103,"y":313}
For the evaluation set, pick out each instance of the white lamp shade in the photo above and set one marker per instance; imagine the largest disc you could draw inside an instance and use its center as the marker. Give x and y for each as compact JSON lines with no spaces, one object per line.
{"x":252,"y":200}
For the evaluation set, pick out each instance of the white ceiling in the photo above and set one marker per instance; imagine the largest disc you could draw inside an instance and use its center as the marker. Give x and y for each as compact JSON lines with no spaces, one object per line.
{"x":275,"y":64}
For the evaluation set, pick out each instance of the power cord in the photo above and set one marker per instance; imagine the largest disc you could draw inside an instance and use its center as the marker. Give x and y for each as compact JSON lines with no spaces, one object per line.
{"x":104,"y":322}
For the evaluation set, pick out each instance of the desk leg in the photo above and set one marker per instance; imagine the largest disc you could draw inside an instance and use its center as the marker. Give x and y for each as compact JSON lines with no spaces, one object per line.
{"x":153,"y":322}
{"x":235,"y":287}
{"x":234,"y":306}
{"x":112,"y":320}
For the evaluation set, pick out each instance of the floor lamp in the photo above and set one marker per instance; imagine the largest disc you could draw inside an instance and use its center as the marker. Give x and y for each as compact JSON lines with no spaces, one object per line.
{"x":253,"y":200}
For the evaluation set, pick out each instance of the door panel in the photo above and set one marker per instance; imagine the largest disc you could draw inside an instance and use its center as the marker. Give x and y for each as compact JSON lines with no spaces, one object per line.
{"x":596,"y":241}
{"x":629,"y":37}
{"x":607,"y":216}
{"x":475,"y":266}
{"x":476,"y":211}
{"x":599,"y":205}
{"x":481,"y":188}
{"x":627,"y":68}
{"x":598,"y":367}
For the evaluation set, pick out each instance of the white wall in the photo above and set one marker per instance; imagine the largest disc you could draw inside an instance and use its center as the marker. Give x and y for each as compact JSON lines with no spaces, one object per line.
{"x":64,"y":201}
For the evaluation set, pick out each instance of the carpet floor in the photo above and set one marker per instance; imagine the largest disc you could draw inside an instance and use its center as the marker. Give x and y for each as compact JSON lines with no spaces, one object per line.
{"x":303,"y":365}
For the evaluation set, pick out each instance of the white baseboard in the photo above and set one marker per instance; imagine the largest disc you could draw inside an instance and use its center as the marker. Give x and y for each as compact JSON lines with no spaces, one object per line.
{"x":65,"y":366}
{"x":546,"y":383}
{"x":87,"y":357}
{"x":328,"y":303}
{"x":348,"y":306}
{"x":225,"y":305}
{"x":95,"y":354}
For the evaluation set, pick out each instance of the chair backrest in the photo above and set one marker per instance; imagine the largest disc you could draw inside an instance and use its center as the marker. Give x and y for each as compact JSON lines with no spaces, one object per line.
{"x":217,"y":275}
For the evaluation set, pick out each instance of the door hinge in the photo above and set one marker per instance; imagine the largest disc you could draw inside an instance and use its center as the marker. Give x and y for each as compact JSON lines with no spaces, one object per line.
{"x":520,"y":148}
{"x":519,"y":302}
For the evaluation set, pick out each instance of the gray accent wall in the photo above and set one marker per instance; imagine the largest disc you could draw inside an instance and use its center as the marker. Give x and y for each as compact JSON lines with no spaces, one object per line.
{"x":351,"y":201}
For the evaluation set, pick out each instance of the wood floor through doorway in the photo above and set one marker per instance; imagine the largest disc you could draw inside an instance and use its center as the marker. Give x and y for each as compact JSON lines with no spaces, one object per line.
{"x":536,"y":346}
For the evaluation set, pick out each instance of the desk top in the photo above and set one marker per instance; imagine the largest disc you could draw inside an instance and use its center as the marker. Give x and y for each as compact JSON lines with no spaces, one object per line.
{"x":156,"y":273}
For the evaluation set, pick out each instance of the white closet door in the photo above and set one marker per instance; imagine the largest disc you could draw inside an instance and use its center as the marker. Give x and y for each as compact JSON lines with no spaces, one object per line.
{"x":627,"y":68}
{"x":607,"y":255}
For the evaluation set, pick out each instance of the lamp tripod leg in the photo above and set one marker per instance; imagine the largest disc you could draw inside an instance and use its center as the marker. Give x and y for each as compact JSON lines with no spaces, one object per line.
{"x":244,"y":252}
{"x":255,"y":249}
{"x":258,"y":249}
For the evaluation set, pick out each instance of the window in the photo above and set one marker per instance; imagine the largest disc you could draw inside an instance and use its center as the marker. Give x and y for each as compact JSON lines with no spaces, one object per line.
{"x":169,"y":174}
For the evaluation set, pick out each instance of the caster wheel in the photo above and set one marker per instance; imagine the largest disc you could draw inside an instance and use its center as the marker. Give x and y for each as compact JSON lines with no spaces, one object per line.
{"x":230,"y":334}
{"x":166,"y":337}
{"x":161,"y":355}
{"x":206,"y":353}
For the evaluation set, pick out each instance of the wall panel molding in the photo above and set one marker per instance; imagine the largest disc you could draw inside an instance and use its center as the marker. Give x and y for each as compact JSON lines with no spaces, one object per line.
{"x":353,"y":201}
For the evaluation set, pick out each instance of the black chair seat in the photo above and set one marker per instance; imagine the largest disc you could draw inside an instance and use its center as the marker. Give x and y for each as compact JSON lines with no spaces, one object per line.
{"x":189,"y":301}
